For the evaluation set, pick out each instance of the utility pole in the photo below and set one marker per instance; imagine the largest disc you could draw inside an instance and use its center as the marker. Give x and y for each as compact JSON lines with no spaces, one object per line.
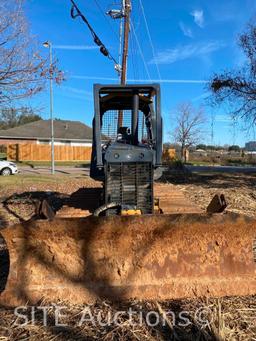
{"x":124,"y":13}
{"x":48,"y":45}
{"x":127,"y":13}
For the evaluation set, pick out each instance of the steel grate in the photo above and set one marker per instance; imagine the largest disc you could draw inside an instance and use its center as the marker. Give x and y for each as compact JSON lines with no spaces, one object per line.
{"x":110,"y":123}
{"x":130,"y":184}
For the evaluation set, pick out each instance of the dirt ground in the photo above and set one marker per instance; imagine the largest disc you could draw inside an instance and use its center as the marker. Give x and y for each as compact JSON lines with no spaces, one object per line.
{"x":239,"y":189}
{"x":187,"y":320}
{"x":220,"y":319}
{"x":19,"y":194}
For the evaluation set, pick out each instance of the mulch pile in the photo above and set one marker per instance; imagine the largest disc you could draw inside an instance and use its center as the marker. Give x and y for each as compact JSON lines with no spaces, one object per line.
{"x":213,"y":319}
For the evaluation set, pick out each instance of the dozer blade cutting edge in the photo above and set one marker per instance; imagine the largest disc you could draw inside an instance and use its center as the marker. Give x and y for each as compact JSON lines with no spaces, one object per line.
{"x":118,"y":258}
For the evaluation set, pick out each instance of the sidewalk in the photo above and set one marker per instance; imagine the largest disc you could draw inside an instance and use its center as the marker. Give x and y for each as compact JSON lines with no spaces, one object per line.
{"x":62,"y":170}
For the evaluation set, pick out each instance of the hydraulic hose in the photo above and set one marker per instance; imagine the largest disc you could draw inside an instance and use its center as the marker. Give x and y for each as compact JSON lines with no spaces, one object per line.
{"x":105,"y":207}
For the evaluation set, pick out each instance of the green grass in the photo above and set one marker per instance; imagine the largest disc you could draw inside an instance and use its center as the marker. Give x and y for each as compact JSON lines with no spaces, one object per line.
{"x":2,"y":156}
{"x":28,"y":179}
{"x":203,"y":163}
{"x":221,"y":163}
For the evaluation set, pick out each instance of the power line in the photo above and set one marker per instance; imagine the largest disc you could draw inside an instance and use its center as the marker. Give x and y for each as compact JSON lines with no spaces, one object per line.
{"x":133,"y":59}
{"x":137,"y":60}
{"x":140,"y":50}
{"x":167,"y":81}
{"x":141,"y":73}
{"x":75,"y":12}
{"x":104,"y":15}
{"x":134,"y":47}
{"x":150,"y":39}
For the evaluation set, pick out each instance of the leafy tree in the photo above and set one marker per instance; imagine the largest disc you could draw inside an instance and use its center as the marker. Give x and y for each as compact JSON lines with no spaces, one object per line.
{"x":234,"y":148}
{"x":201,"y":146}
{"x":210,"y":147}
{"x":27,"y":116}
{"x":10,"y":117}
{"x":238,"y":87}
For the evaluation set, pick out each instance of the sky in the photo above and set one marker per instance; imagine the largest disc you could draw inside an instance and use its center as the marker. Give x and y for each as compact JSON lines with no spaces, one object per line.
{"x":180,"y":44}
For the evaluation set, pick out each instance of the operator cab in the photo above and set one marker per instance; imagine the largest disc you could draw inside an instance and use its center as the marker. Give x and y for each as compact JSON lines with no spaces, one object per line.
{"x":127,"y":118}
{"x":124,"y":135}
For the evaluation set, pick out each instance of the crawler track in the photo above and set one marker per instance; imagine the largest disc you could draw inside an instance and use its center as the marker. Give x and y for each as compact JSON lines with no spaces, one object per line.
{"x":86,"y":200}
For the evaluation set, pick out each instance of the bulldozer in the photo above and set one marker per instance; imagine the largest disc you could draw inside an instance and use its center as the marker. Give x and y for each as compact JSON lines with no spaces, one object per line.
{"x":127,"y":147}
{"x":139,"y":240}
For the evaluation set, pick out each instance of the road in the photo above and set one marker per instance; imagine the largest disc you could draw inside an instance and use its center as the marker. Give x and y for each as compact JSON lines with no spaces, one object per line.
{"x":61,"y":170}
{"x":221,"y":169}
{"x":71,"y":170}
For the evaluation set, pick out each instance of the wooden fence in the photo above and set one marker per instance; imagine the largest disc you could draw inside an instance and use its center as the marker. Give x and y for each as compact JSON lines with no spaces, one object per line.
{"x":169,"y":155}
{"x":37,"y":152}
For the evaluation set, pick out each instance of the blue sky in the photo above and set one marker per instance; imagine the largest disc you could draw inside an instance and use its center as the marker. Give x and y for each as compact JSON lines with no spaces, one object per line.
{"x":191,"y":39}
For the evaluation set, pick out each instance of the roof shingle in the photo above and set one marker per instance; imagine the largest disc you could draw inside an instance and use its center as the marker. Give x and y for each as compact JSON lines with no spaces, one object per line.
{"x":64,"y":130}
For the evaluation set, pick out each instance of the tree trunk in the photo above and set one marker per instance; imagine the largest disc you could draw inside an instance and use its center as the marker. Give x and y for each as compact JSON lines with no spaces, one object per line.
{"x":183,"y":157}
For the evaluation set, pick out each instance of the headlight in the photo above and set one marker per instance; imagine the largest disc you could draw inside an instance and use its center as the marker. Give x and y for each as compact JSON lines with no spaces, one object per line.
{"x":13,"y":165}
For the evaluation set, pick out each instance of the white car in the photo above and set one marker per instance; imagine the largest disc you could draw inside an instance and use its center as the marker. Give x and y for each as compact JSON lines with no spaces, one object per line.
{"x":8,"y":168}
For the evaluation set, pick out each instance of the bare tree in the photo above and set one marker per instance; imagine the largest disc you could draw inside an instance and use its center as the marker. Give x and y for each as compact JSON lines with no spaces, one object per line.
{"x":189,"y":128}
{"x":238,"y":87}
{"x":22,"y":70}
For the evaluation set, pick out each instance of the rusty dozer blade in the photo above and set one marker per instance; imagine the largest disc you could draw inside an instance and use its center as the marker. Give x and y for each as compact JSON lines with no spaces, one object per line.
{"x":118,"y":258}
